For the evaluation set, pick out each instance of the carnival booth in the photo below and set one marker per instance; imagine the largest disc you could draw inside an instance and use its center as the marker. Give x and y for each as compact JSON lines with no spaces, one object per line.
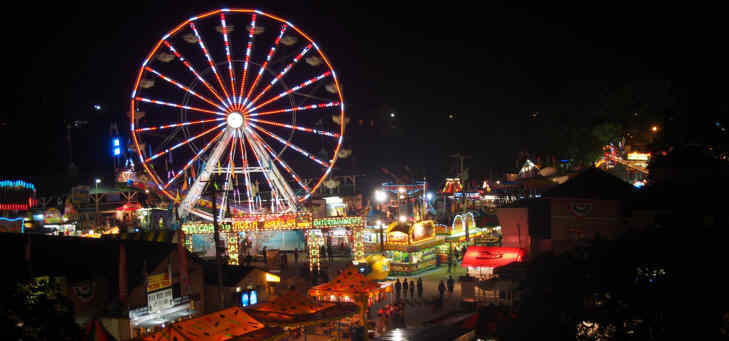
{"x":231,"y":323}
{"x":350,"y":285}
{"x":482,"y":260}
{"x":412,"y":248}
{"x":301,"y":314}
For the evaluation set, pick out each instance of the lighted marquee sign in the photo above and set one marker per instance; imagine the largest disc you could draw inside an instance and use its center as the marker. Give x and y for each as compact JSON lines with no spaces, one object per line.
{"x":636,"y":156}
{"x":285,"y":222}
{"x":338,"y":222}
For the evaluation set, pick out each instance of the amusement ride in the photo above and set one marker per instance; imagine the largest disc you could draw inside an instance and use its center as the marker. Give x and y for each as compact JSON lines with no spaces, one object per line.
{"x":241,"y":97}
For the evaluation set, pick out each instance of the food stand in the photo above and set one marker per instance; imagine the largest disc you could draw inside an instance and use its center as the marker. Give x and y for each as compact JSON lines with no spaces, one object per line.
{"x":412,"y":248}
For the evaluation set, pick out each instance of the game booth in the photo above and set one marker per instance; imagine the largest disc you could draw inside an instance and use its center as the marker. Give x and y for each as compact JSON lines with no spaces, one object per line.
{"x":412,"y":247}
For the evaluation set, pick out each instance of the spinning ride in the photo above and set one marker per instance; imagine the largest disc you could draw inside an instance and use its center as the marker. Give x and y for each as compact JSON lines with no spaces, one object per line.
{"x":256,"y":115}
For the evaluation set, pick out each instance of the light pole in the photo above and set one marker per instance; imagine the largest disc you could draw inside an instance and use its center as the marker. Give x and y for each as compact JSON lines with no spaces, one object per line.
{"x":380,"y":197}
{"x":97,"y":181}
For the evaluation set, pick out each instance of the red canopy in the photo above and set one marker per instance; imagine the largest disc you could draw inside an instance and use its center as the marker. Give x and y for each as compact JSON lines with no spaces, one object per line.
{"x":491,"y":256}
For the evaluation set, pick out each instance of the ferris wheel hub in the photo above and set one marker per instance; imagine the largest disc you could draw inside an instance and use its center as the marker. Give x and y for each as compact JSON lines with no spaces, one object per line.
{"x":235,"y":120}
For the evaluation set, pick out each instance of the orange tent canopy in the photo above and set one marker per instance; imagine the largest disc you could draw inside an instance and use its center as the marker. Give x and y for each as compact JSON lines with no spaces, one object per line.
{"x":218,"y":326}
{"x":349,"y":282}
{"x":291,"y":303}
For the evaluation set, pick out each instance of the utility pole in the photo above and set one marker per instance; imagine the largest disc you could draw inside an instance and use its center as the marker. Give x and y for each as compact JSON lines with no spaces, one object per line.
{"x":216,"y":236}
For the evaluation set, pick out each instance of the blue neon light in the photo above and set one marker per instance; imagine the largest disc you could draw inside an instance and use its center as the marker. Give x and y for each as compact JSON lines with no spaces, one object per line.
{"x":21,"y":220}
{"x":117,"y":151}
{"x":244,"y":301}
{"x":116,"y":142}
{"x":254,"y":297}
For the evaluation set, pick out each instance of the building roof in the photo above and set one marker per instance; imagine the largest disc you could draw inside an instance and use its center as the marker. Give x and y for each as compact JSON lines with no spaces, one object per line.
{"x":593,"y":183}
{"x":80,"y":258}
{"x":232,"y":275}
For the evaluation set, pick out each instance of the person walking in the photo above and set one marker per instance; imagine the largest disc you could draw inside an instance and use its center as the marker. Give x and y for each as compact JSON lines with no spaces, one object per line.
{"x":420,"y":288}
{"x":398,"y":287}
{"x":441,"y":290}
{"x":450,"y":262}
{"x":265,"y":259}
{"x":296,"y":255}
{"x":329,"y":254}
{"x":405,"y":287}
{"x":322,"y":252}
{"x":249,"y":259}
{"x":451,"y":282}
{"x":412,"y":289}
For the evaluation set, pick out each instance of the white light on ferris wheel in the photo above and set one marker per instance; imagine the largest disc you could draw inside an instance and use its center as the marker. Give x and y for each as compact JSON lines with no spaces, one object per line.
{"x":380,"y":196}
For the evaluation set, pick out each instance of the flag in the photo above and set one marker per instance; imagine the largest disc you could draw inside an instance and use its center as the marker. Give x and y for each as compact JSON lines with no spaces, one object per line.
{"x":123,"y":285}
{"x":177,"y":197}
{"x":184,"y":183}
{"x":192,"y":170}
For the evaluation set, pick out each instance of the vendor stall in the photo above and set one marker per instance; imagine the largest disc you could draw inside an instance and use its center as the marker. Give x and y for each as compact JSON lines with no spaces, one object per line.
{"x":295,"y":311}
{"x":411,"y":248}
{"x":482,"y":260}
{"x":348,"y":286}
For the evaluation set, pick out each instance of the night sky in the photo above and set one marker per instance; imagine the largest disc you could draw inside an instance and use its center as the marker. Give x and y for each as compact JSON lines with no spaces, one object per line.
{"x":491,"y":66}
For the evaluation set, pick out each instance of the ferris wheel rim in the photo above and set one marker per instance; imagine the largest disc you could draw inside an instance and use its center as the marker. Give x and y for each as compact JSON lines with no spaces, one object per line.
{"x":134,"y":100}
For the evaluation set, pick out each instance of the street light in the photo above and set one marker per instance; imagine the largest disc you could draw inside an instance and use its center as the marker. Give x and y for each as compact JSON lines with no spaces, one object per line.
{"x":97,"y":181}
{"x":380,"y":196}
{"x":654,"y":129}
{"x":429,"y":196}
{"x":403,"y":218}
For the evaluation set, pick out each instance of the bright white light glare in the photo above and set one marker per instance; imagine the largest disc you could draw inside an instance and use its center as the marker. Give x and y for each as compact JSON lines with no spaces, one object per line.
{"x":97,"y":107}
{"x":380,"y":196}
{"x":403,"y":218}
{"x":392,"y":114}
{"x":429,"y":196}
{"x":98,"y":181}
{"x":235,"y":120}
{"x":401,"y":189}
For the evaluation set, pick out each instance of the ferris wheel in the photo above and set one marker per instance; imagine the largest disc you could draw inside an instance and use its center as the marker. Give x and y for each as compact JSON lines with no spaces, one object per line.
{"x":241,"y":100}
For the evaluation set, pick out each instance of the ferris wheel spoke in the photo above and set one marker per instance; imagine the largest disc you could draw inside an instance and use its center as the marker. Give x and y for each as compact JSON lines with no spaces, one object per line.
{"x":194,"y":72}
{"x":188,"y":90}
{"x":246,"y":176}
{"x":299,"y":108}
{"x":249,"y":47}
{"x":184,"y":142}
{"x":174,"y":105}
{"x":227,"y":53}
{"x":194,"y":158}
{"x":283,"y":164}
{"x":281,"y":192}
{"x":211,"y":63}
{"x":294,"y":127}
{"x":280,"y":75}
{"x":182,"y":124}
{"x":265,"y":64}
{"x":291,"y":145}
{"x":228,"y":175}
{"x":296,"y":88}
{"x":203,"y":177}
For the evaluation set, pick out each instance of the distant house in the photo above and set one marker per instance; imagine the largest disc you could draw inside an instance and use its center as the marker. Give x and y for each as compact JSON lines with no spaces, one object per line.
{"x":591,"y":203}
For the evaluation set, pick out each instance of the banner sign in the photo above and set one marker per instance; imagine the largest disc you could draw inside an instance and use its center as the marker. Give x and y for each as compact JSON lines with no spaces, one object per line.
{"x":159,"y":300}
{"x":158,"y":281}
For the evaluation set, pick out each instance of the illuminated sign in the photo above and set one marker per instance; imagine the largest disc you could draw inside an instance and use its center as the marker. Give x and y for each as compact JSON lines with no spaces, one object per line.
{"x":636,"y":156}
{"x":338,"y":222}
{"x":158,"y":281}
{"x":272,"y":278}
